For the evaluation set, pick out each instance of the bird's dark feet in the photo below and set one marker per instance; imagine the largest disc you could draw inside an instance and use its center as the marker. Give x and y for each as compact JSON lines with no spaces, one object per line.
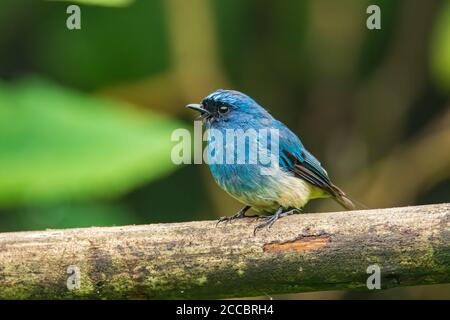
{"x":238,"y":215}
{"x":270,"y":220}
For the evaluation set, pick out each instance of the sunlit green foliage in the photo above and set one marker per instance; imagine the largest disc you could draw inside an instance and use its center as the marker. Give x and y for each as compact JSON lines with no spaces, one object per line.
{"x":440,"y":49}
{"x":58,"y":144}
{"x":106,"y":3}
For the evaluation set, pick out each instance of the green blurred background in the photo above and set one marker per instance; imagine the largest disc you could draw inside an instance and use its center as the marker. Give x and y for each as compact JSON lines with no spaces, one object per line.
{"x":86,"y":115}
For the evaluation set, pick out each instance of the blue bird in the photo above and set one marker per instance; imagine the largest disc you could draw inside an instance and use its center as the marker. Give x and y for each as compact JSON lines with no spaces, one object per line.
{"x":286,"y":186}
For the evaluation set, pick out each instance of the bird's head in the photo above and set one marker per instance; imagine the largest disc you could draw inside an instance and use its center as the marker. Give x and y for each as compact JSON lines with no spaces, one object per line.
{"x":223,"y":105}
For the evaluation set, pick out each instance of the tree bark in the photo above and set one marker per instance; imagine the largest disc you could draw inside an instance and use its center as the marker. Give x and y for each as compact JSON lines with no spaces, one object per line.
{"x":304,"y":252}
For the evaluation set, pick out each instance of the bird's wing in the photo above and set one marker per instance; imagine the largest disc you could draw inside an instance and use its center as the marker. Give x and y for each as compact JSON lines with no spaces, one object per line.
{"x":295,"y":158}
{"x":304,"y":165}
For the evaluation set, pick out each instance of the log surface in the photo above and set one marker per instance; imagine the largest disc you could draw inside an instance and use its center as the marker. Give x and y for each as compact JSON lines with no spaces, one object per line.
{"x":304,"y":252}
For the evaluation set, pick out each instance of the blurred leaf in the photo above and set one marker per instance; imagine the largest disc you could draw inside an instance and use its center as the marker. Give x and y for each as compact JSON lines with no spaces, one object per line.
{"x":113,"y":46}
{"x":440,"y":49}
{"x":56,"y":144}
{"x":106,"y":3}
{"x":69,"y":215}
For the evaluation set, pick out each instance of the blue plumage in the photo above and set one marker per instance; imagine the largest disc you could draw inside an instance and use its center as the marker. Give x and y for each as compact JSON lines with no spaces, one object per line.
{"x":276,"y":188}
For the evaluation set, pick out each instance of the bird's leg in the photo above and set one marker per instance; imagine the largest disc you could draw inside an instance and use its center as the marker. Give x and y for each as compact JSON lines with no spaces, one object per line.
{"x":270,"y":220}
{"x":239,"y":214}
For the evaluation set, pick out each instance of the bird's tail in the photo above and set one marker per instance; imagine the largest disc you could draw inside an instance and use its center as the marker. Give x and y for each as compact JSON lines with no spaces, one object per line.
{"x":342,"y":198}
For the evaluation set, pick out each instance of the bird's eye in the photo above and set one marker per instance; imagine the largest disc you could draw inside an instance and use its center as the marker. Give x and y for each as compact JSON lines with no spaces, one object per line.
{"x":223,"y":109}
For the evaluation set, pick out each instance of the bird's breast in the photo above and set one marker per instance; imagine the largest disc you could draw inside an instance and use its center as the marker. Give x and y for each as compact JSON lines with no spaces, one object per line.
{"x":264,"y":192}
{"x":264,"y":186}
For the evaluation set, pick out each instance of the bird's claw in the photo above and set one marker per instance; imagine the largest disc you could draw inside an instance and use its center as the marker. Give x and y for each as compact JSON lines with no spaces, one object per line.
{"x":270,"y":220}
{"x":240,"y":214}
{"x":225,"y":219}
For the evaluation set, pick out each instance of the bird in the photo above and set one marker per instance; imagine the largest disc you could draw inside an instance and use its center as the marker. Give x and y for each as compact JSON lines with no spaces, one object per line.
{"x":296,"y":178}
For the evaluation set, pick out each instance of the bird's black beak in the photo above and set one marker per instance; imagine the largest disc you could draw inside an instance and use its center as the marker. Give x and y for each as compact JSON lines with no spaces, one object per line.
{"x":199,"y":108}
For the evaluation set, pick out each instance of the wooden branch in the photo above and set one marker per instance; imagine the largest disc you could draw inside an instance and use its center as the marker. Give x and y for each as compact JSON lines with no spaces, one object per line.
{"x":307,"y":252}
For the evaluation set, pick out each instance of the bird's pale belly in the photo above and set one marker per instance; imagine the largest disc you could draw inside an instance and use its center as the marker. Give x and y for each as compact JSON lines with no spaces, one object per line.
{"x":265,"y":193}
